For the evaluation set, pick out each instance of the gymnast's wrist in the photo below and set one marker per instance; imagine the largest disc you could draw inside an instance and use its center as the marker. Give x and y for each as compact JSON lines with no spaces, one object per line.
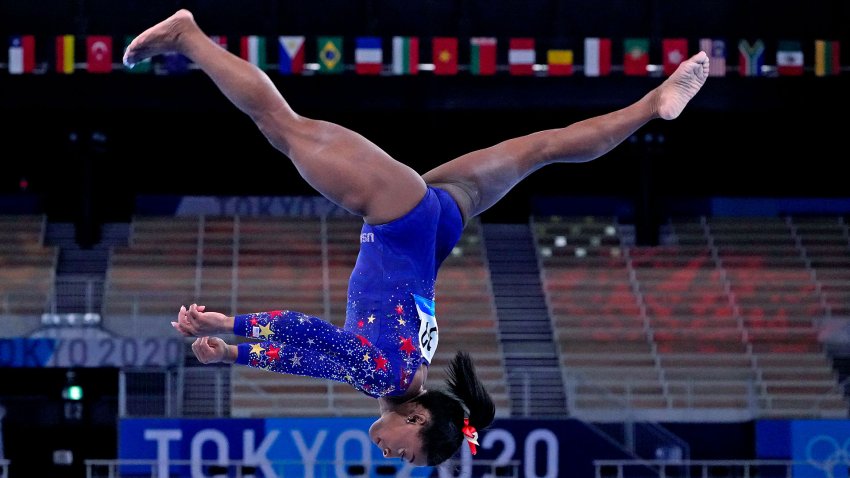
{"x":227,"y":324}
{"x":231,"y":352}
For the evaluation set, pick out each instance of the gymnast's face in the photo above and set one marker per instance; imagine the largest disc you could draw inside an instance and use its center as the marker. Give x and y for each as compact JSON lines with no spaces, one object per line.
{"x":397,"y":435}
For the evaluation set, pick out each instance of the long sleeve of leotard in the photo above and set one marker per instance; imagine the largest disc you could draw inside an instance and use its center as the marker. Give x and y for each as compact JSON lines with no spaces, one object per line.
{"x":298,"y":344}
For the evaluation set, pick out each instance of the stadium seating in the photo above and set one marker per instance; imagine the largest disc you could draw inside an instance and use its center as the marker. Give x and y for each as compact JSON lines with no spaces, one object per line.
{"x":241,"y":265}
{"x":27,"y":272}
{"x":718,"y":320}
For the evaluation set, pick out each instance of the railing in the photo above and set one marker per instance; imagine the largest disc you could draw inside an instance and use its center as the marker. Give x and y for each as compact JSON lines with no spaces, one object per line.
{"x":209,"y":391}
{"x":149,"y":392}
{"x":839,"y":388}
{"x":232,"y":283}
{"x":24,"y":302}
{"x":162,"y":393}
{"x":281,"y":468}
{"x":664,"y":440}
{"x":83,"y":294}
{"x":703,"y":468}
{"x":525,"y":377}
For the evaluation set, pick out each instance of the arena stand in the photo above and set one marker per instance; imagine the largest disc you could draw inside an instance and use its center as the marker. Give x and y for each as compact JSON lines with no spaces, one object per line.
{"x":248,"y":264}
{"x":720,"y":321}
{"x":27,"y":272}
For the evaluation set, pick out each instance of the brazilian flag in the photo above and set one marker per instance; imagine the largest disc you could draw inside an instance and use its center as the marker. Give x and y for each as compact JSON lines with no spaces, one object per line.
{"x":330,"y":55}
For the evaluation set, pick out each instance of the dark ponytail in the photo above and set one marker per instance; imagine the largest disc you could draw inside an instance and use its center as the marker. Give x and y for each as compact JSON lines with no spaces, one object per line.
{"x":442,"y":437}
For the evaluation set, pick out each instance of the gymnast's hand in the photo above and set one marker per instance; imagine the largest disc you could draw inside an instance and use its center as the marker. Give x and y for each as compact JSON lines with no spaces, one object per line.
{"x":196,"y":322}
{"x":210,"y":350}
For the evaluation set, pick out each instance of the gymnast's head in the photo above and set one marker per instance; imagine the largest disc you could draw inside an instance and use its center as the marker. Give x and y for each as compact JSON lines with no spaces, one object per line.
{"x":430,"y":428}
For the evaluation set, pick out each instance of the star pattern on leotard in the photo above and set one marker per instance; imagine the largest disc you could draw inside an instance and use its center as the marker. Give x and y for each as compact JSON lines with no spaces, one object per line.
{"x":295,"y":359}
{"x":380,"y":363}
{"x":265,"y":331}
{"x":407,"y":345}
{"x":376,"y":352}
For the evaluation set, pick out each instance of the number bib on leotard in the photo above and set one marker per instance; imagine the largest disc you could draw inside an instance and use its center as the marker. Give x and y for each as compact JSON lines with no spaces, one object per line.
{"x":428,"y":332}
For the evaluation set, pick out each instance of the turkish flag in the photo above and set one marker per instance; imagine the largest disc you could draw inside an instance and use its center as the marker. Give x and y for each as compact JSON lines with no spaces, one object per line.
{"x":99,"y":53}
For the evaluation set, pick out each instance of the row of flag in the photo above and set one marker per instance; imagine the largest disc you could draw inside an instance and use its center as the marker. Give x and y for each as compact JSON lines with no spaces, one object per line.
{"x":404,"y":59}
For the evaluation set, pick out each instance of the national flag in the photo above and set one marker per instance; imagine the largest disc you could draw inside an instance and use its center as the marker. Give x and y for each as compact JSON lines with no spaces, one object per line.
{"x":716,"y":50}
{"x":65,"y":54}
{"x":675,"y":51}
{"x":560,"y":62}
{"x":635,"y":56}
{"x":330,"y":54}
{"x":143,"y":66}
{"x":291,"y":53}
{"x":827,"y":58}
{"x":252,"y":48}
{"x":597,"y":56}
{"x":789,"y":58}
{"x":750,"y":57}
{"x":368,"y":56}
{"x":220,"y":40}
{"x":482,"y":56}
{"x":521,"y":56}
{"x":444,"y":51}
{"x":99,"y":53}
{"x":21,"y":54}
{"x":405,"y":55}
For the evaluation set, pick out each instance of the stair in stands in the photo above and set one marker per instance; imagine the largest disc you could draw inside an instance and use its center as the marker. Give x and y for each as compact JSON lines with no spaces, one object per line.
{"x":80,"y":271}
{"x":531,"y":360}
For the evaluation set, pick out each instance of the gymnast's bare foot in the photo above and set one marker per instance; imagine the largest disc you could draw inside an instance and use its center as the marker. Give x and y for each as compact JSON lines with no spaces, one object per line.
{"x":161,"y":38}
{"x":681,"y":86}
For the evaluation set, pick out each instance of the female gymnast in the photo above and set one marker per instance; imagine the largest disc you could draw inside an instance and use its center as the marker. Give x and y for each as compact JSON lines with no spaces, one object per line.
{"x":411,"y":223}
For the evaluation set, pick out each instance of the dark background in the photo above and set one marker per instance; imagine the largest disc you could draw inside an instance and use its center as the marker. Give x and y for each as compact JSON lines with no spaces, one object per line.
{"x":148,"y":134}
{"x":747,"y":137}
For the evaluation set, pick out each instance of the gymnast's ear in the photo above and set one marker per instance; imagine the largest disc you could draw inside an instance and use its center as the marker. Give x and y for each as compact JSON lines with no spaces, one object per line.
{"x":417,"y":419}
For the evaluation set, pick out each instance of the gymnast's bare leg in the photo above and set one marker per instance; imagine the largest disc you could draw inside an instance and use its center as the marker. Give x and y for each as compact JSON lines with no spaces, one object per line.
{"x":340,"y":164}
{"x":353,"y":172}
{"x":477,"y":180}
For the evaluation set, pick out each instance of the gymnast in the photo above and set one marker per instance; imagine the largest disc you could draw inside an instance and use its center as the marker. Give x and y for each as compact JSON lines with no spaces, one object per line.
{"x":411,"y":222}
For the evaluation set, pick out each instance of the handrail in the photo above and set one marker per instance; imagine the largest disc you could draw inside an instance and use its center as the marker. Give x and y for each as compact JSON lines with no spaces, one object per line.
{"x":199,"y":259}
{"x":630,"y":418}
{"x":839,"y":387}
{"x":234,"y":270}
{"x":322,"y":468}
{"x":749,"y":467}
{"x":326,"y":274}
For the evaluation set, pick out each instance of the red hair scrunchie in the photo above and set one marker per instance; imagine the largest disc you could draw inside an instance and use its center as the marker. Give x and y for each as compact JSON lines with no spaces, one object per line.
{"x":471,"y":435}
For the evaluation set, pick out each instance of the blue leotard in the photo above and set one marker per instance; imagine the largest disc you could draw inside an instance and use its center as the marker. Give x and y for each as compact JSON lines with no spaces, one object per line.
{"x":389,"y":330}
